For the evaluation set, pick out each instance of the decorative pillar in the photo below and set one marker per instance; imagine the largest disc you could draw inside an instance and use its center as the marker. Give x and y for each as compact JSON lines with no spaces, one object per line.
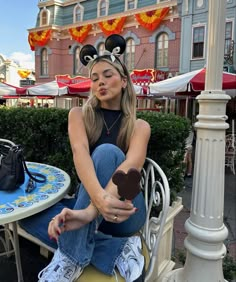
{"x":205,"y":227}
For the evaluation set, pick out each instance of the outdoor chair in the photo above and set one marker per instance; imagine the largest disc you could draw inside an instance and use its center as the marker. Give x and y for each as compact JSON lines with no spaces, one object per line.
{"x":230,"y":151}
{"x":155,"y":187}
{"x":157,"y":199}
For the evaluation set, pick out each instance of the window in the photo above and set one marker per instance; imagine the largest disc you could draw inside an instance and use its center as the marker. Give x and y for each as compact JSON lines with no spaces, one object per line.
{"x":44,"y":62}
{"x":76,"y":61}
{"x":101,"y":48}
{"x":162,"y":44}
{"x":130,"y":4}
{"x":103,"y":6}
{"x":44,"y":17}
{"x":228,"y":37}
{"x":78,"y":13}
{"x":198,"y":42}
{"x":130,"y":54}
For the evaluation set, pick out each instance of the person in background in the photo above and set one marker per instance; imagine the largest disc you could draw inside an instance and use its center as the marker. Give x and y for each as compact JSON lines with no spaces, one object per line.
{"x":105,"y":136}
{"x":188,"y":153}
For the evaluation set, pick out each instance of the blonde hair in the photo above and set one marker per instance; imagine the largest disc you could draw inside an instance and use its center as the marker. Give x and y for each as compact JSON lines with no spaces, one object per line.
{"x":93,"y":117}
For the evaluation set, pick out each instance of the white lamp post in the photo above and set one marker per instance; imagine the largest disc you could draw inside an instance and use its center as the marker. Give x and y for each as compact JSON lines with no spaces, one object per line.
{"x":205,"y":227}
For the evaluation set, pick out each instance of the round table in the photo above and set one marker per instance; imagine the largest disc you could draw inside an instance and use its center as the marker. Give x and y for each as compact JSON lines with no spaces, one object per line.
{"x":19,"y":204}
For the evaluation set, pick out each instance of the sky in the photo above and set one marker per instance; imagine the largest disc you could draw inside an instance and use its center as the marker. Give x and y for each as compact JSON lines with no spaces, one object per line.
{"x":16,"y":17}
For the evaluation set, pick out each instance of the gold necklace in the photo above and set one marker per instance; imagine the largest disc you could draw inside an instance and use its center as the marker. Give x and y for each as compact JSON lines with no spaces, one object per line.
{"x":109,"y":128}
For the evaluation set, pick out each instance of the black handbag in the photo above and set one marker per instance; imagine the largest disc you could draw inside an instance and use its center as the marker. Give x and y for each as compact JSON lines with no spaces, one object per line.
{"x":13,"y":168}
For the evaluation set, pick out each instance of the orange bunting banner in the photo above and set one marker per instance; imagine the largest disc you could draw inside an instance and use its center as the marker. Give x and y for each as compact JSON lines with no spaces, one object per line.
{"x":39,"y":38}
{"x":79,"y":33}
{"x":151,"y":19}
{"x":112,"y":26}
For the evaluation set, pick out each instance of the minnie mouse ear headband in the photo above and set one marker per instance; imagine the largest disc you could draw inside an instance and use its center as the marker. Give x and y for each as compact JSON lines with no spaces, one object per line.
{"x":114,"y":46}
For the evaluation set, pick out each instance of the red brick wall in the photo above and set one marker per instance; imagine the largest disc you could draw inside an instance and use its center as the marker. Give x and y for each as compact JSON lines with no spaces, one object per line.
{"x":61,"y":62}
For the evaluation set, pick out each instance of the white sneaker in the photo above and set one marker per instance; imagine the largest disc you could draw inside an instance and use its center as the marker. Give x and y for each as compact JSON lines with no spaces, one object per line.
{"x":60,"y":269}
{"x":131,"y":261}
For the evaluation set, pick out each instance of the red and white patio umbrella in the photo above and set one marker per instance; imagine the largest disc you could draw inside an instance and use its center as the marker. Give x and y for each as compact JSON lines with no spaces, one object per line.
{"x":81,"y":88}
{"x":56,"y":88}
{"x":52,"y":88}
{"x":11,"y":90}
{"x":191,"y":81}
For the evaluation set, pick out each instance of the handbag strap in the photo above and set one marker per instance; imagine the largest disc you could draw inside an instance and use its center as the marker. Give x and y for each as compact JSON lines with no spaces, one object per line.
{"x":37,"y":177}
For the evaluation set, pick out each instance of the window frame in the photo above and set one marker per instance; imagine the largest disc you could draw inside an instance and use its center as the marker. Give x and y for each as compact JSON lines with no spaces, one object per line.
{"x":77,"y":65}
{"x":101,"y":48}
{"x":99,"y":7}
{"x":163,"y":50}
{"x":127,"y":5}
{"x":130,"y":63}
{"x":76,"y":8}
{"x":45,"y":12}
{"x":44,"y":62}
{"x":229,"y":39}
{"x":194,"y":27}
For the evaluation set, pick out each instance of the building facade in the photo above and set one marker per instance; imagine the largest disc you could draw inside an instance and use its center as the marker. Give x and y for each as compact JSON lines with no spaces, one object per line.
{"x":151,"y":28}
{"x":168,"y":35}
{"x":165,"y":35}
{"x":9,"y":71}
{"x":194,"y":25}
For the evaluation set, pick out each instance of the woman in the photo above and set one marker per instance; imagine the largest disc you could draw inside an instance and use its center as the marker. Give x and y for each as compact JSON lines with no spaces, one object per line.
{"x":105,"y":137}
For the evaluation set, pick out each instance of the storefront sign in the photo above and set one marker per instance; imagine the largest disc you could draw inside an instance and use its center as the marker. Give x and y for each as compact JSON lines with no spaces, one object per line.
{"x":147,"y":76}
{"x":26,"y":82}
{"x":66,"y":79}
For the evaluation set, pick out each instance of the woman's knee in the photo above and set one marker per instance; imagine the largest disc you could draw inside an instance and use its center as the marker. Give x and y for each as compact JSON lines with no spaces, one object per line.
{"x":108,"y":153}
{"x":105,"y":148}
{"x":106,"y":159}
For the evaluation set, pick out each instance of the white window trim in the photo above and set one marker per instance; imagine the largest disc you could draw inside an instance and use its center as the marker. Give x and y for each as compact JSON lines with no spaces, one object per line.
{"x":99,"y":5}
{"x":168,"y":46}
{"x":48,"y":16}
{"x":161,"y":1}
{"x":233,"y":25}
{"x":74,"y":13}
{"x":204,"y":40}
{"x":126,"y":5}
{"x":132,"y":61}
{"x":79,"y":64}
{"x":42,"y":66}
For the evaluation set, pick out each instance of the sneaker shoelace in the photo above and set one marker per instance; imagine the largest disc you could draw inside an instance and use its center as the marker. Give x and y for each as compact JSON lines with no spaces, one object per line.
{"x":129,"y":258}
{"x":56,"y":268}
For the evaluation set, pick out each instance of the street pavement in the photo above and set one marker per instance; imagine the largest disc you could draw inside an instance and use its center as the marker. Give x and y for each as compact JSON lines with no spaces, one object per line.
{"x":33,"y":262}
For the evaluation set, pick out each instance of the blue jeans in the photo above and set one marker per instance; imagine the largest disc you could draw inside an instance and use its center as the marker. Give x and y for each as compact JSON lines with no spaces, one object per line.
{"x":84,"y":246}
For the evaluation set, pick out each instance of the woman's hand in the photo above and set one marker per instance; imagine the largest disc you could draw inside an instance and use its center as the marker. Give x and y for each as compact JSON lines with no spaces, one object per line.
{"x":70,"y":220}
{"x":113,"y":209}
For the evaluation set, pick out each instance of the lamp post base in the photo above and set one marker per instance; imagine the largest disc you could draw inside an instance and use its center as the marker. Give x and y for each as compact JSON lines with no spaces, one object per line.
{"x":179,"y":275}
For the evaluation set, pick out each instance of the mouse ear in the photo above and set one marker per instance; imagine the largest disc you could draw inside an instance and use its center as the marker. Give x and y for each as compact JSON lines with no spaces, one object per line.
{"x":118,"y":177}
{"x":87,"y":54}
{"x":134,"y":174}
{"x":115,"y":44}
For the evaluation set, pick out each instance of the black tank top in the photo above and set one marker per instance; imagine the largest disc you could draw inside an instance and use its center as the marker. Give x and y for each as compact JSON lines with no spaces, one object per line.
{"x":110,"y":116}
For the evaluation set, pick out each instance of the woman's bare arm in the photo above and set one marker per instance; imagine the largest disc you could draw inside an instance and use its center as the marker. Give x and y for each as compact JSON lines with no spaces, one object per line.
{"x":135,"y":158}
{"x":107,"y":201}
